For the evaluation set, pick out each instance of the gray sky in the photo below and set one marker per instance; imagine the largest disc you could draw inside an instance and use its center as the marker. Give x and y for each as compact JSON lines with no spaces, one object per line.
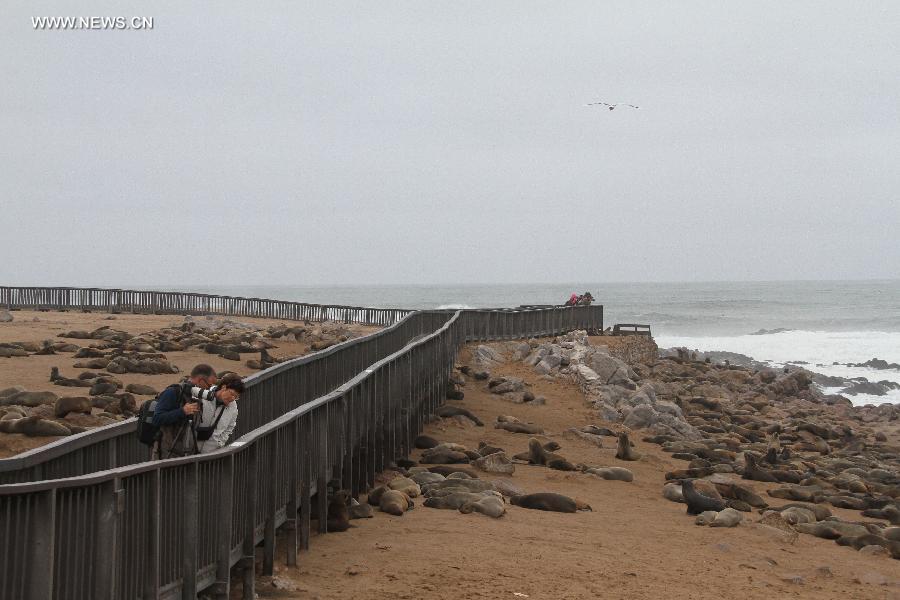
{"x":301,"y":143}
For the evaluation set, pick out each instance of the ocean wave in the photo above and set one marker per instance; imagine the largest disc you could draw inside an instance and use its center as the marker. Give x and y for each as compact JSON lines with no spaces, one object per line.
{"x":454,"y":307}
{"x":827,"y":352}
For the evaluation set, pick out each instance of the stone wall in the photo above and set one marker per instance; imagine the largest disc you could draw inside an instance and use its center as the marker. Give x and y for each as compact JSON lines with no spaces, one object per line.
{"x":631,"y":349}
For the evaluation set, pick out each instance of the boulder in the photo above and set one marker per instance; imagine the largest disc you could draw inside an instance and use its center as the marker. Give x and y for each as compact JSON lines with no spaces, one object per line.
{"x":5,"y":316}
{"x":486,"y":356}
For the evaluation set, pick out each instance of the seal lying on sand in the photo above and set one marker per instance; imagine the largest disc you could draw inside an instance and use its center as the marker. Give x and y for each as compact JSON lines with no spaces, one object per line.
{"x":447,"y":470}
{"x":537,"y":455}
{"x":456,"y":500}
{"x":424,"y":442}
{"x":549,"y":501}
{"x":697,"y":502}
{"x":610,"y":473}
{"x":395,"y":503}
{"x":624,"y":451}
{"x":453,"y":411}
{"x":519,"y":427}
{"x":491,"y":506}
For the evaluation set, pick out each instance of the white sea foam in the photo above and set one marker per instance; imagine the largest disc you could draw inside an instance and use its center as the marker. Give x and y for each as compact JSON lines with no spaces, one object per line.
{"x":453,"y":307}
{"x":820,"y":349}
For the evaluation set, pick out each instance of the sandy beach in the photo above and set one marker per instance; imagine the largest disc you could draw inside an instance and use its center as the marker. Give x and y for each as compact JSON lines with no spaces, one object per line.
{"x":634,"y":544}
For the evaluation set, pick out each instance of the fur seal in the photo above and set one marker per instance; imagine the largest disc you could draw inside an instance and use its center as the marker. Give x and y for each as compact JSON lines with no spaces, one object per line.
{"x":427,"y":477}
{"x":35,"y":426}
{"x":69,"y":404}
{"x":456,"y":500}
{"x":820,"y":530}
{"x":424,"y":442}
{"x":821,"y":511}
{"x":444,"y":456}
{"x":339,"y":511}
{"x":486,"y":449}
{"x":673,"y":493}
{"x":624,"y":451}
{"x":447,"y":470}
{"x":727,"y":518}
{"x":405,"y":485}
{"x":453,"y":411}
{"x":797,"y":514}
{"x":374,"y":496}
{"x":550,"y":502}
{"x":537,"y":455}
{"x":395,"y":503}
{"x":491,"y":506}
{"x":697,"y":502}
{"x":611,"y":473}
{"x":472,"y":485}
{"x":753,"y":472}
{"x":890,"y":513}
{"x":705,"y":518}
{"x":360,"y":511}
{"x":519,"y":427}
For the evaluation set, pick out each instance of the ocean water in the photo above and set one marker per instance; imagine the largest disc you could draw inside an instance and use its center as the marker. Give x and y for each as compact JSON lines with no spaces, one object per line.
{"x":817,"y":322}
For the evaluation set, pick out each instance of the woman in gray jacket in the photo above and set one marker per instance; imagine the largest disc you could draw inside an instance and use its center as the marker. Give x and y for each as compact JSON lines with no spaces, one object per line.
{"x":221,"y":413}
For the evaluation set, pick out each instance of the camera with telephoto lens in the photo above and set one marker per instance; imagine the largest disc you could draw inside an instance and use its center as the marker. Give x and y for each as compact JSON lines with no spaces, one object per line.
{"x":209,"y":394}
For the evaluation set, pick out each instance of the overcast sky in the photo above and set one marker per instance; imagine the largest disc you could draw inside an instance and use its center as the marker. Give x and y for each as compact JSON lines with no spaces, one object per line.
{"x":427,"y":142}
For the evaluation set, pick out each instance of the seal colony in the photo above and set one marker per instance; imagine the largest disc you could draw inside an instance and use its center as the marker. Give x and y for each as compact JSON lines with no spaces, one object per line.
{"x":527,"y":469}
{"x":75,"y":371}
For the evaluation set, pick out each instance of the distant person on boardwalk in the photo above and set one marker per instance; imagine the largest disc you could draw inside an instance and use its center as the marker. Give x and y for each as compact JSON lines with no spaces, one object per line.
{"x":585,"y":299}
{"x":219,"y":414}
{"x":572,"y":301}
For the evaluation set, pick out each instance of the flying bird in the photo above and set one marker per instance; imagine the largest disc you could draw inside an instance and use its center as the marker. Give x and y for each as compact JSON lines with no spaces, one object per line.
{"x":611,"y":106}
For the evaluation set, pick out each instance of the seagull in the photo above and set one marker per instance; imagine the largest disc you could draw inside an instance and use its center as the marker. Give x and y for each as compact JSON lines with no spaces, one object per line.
{"x":611,"y":106}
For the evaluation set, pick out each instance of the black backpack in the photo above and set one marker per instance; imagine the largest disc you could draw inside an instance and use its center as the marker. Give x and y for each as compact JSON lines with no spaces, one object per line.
{"x":147,"y":432}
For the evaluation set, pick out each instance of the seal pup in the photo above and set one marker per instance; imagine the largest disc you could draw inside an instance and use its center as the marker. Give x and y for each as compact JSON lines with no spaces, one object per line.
{"x":491,"y":506}
{"x":727,"y":518}
{"x":338,"y":515}
{"x":359,"y":511}
{"x":697,"y":502}
{"x":673,"y":493}
{"x":550,"y":502}
{"x":454,"y":411}
{"x":624,"y":451}
{"x":610,"y":473}
{"x":395,"y":503}
{"x":705,"y":518}
{"x":519,"y":427}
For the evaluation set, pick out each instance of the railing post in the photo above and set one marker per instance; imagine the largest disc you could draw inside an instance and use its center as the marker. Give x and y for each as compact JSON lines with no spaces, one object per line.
{"x":271,"y":482}
{"x":248,"y":561}
{"x":41,"y":551}
{"x":191,"y":537}
{"x":291,"y":525}
{"x":223,"y":543}
{"x":111,"y":506}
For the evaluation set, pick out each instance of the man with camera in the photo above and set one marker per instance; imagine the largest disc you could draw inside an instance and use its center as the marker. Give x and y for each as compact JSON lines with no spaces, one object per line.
{"x":179,"y":410}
